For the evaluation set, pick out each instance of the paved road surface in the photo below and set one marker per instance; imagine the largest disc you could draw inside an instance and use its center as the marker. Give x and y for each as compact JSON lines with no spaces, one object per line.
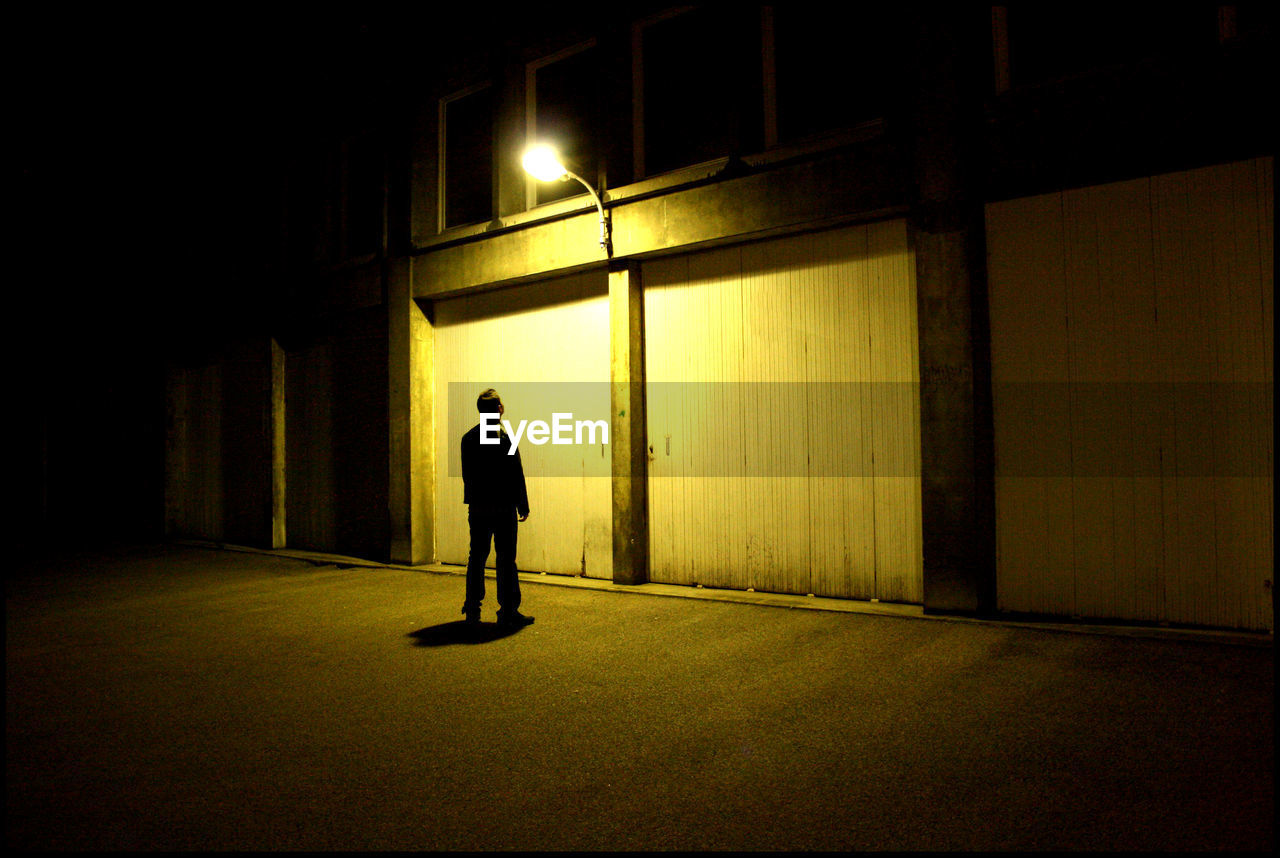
{"x":184,"y":698}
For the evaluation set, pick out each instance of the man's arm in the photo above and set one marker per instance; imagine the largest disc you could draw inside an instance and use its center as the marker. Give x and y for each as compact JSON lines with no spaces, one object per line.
{"x":468,"y":468}
{"x":522,"y":495}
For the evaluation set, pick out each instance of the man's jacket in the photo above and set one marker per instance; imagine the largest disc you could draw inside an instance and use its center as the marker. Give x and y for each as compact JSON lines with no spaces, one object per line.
{"x":490,"y":477}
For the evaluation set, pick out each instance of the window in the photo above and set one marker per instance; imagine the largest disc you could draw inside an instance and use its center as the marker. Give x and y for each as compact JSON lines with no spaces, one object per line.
{"x":834,"y":70}
{"x":563,"y":109}
{"x":700,"y":76}
{"x":466,"y":157}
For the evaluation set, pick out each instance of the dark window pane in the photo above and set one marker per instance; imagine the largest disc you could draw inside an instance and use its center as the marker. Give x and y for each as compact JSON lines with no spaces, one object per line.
{"x":1051,"y":41}
{"x":567,"y":117}
{"x":468,"y":159}
{"x":835,"y":68}
{"x":702,"y":87}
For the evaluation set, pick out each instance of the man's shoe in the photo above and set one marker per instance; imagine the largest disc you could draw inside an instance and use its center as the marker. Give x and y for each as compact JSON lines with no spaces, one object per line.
{"x":515,"y":620}
{"x":472,"y":615}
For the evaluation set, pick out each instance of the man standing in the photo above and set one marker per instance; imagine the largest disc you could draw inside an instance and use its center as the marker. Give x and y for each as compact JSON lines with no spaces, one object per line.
{"x":493,"y":488}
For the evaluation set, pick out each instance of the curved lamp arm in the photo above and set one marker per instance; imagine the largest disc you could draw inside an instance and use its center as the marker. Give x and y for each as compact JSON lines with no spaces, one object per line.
{"x":605,"y":238}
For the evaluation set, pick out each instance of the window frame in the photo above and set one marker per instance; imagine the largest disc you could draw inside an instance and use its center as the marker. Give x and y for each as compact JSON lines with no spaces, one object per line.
{"x":637,"y":84}
{"x":442,"y":131}
{"x":531,"y":112}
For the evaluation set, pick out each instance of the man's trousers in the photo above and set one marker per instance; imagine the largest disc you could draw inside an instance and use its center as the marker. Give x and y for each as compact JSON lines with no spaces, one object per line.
{"x":499,"y":525}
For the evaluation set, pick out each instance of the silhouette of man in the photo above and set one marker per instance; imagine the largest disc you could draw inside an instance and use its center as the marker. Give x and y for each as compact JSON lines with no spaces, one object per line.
{"x":494,"y":490}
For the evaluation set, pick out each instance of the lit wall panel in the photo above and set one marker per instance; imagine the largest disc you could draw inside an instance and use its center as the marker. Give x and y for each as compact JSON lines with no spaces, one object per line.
{"x":1132,"y":338}
{"x":542,"y":346}
{"x":783,"y":414}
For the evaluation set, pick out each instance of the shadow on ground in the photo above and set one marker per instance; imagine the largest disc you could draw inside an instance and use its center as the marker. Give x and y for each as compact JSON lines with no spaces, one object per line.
{"x":458,"y":632}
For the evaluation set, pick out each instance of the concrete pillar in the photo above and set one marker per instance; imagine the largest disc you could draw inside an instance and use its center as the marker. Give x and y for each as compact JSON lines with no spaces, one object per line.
{"x":411,"y":422}
{"x":627,"y":426}
{"x":955,"y":356}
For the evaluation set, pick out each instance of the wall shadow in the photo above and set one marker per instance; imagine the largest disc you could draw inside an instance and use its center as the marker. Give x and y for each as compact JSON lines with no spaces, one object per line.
{"x":459,"y":632}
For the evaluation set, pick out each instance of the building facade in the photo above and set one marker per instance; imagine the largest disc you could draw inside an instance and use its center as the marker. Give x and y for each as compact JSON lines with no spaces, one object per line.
{"x":971,"y":309}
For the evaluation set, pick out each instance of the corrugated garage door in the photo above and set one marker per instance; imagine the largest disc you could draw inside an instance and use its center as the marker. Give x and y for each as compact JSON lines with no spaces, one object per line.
{"x":783,"y":416}
{"x":544,"y":348}
{"x":1132,"y":348}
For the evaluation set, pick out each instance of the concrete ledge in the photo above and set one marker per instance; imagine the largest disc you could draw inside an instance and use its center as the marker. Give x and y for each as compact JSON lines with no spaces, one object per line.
{"x":772,"y":600}
{"x":840,"y":187}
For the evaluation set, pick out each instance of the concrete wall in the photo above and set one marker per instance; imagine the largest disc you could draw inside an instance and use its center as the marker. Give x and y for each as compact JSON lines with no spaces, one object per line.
{"x":336,"y":438}
{"x":309,"y":447}
{"x":360,"y":435}
{"x":193,"y":451}
{"x":271,"y":447}
{"x":247,"y":444}
{"x":223,"y":463}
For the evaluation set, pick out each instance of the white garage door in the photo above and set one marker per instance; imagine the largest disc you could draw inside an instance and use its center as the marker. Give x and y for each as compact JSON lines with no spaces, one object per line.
{"x":783,"y":416}
{"x":545,"y":349}
{"x":1132,"y":344}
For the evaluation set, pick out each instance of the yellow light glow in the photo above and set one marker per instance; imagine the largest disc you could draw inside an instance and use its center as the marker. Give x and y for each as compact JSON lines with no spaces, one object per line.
{"x":543,"y":164}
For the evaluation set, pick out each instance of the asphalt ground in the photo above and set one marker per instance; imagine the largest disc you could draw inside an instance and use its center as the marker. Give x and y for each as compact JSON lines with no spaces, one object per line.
{"x":181,"y":698}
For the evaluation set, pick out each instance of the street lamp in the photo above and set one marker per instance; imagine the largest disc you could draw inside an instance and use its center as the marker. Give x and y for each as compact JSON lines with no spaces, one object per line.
{"x":542,"y":162}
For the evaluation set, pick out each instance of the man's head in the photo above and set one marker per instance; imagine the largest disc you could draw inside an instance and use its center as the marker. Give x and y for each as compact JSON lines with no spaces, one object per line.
{"x":489,"y":402}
